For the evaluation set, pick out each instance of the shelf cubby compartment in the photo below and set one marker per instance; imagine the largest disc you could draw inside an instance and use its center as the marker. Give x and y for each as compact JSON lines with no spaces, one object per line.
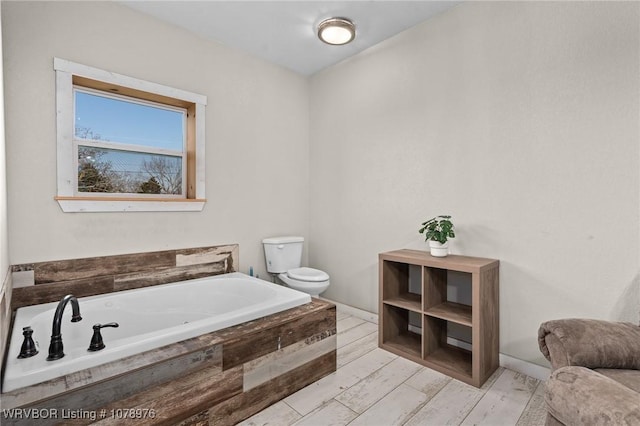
{"x":442,"y":356}
{"x":398,"y":292}
{"x":436,"y":300}
{"x":396,"y":335}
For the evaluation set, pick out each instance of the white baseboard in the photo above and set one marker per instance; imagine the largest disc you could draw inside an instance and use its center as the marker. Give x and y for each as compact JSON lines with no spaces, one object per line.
{"x":525,"y":367}
{"x":356,"y":312}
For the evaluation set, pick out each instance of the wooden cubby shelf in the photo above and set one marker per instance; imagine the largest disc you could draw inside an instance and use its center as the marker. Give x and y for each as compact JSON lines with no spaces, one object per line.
{"x":416,"y":314}
{"x":451,"y":311}
{"x":410,"y":301}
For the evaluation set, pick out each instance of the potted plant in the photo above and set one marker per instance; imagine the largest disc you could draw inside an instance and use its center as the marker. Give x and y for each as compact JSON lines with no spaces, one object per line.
{"x":437,"y":232}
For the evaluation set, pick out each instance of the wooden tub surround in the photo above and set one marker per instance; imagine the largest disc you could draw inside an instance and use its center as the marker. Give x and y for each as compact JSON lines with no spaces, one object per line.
{"x":218,"y":378}
{"x":43,"y":282}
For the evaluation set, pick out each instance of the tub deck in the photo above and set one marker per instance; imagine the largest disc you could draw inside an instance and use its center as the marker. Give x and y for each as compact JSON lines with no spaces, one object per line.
{"x":217,"y":378}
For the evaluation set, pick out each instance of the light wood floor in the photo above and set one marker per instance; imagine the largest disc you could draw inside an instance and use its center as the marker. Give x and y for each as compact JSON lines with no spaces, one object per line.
{"x":373,"y":387}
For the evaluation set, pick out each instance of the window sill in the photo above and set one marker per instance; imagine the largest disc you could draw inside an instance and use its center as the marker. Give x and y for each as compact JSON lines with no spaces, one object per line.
{"x":99,"y":204}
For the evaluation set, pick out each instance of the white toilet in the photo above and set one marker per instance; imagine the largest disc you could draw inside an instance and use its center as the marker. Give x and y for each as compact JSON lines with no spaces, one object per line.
{"x":284,"y":256}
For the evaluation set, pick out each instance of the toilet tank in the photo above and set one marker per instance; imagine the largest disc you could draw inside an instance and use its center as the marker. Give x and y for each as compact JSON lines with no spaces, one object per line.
{"x":283,"y":253}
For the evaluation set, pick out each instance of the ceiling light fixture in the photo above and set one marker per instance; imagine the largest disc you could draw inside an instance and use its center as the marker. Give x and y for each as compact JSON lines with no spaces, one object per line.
{"x":336,"y":31}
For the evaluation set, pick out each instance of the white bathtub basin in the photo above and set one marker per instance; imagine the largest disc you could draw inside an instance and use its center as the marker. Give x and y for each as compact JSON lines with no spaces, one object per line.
{"x":149,"y":318}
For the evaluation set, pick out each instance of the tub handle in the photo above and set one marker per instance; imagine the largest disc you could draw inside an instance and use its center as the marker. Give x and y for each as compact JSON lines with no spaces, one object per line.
{"x":96,"y":340}
{"x":28,"y":348}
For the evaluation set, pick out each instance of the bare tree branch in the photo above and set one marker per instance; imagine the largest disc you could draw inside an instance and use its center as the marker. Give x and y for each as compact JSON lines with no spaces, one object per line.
{"x":167,"y":172}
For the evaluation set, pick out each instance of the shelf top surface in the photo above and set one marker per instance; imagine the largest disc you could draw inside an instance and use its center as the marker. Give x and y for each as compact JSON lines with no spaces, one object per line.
{"x":452,"y":261}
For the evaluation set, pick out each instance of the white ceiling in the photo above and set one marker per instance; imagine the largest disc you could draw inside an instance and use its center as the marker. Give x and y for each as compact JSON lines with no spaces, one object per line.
{"x":284,"y":32}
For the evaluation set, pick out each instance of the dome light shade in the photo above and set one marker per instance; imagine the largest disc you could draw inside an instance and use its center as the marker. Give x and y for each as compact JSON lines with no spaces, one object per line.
{"x":336,"y":31}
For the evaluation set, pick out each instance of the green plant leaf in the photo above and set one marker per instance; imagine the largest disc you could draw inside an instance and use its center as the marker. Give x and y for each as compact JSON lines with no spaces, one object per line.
{"x":439,"y":228}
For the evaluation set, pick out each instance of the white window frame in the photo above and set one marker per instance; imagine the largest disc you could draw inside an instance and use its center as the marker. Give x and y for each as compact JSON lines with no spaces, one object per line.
{"x":67,"y":158}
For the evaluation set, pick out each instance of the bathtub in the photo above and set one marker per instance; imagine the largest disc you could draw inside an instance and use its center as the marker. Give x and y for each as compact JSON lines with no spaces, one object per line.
{"x":148,"y":318}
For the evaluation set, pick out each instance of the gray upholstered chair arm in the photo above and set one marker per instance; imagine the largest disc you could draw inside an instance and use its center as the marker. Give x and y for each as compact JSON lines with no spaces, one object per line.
{"x":590,"y":343}
{"x":580,"y":396}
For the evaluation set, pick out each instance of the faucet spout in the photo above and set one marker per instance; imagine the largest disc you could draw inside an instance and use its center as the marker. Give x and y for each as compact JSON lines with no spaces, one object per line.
{"x":56,"y":349}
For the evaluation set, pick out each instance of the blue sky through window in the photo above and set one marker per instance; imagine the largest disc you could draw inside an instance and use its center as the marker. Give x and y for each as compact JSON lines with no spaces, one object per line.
{"x":117,"y":120}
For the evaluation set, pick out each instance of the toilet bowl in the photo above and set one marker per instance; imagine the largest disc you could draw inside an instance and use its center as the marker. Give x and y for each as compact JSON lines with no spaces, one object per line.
{"x":283,"y":256}
{"x":308,"y":280}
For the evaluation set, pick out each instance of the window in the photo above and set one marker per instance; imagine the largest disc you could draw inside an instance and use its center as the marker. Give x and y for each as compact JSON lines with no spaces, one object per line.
{"x":125,"y":144}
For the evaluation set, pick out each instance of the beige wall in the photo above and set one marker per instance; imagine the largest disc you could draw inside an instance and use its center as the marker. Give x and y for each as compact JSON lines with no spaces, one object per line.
{"x":519,"y":119}
{"x":4,"y":240}
{"x":256,"y":134}
{"x":5,"y":277}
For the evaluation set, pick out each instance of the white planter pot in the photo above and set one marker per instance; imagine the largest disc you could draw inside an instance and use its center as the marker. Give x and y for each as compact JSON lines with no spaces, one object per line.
{"x":438,"y":249}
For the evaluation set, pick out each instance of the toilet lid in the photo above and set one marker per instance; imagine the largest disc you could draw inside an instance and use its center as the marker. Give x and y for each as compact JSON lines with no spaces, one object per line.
{"x":308,"y":274}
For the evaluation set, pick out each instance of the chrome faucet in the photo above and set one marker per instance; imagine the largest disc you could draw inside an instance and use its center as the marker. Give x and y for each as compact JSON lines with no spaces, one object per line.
{"x":56,"y":347}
